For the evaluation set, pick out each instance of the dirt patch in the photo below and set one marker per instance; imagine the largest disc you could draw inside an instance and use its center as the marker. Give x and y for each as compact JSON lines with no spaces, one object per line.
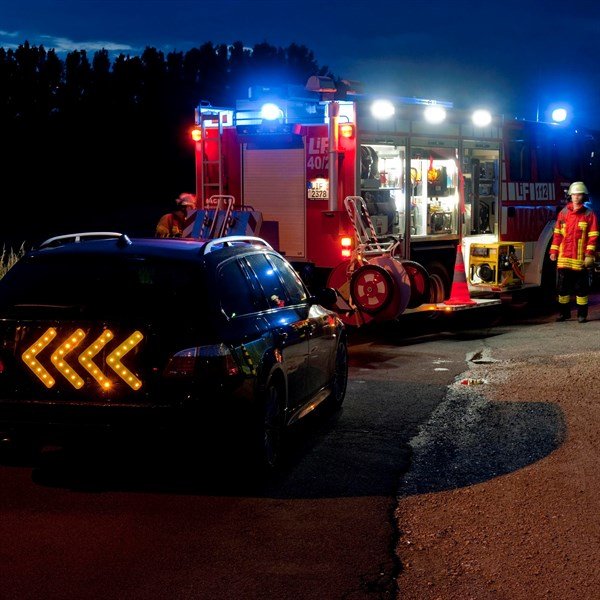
{"x":532,"y":531}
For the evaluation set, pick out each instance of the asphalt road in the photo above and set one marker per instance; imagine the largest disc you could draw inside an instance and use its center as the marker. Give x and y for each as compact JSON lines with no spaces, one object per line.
{"x":137,"y":521}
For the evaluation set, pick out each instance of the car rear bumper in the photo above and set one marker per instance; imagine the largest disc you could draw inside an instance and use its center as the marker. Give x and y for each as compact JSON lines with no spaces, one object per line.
{"x":52,"y":420}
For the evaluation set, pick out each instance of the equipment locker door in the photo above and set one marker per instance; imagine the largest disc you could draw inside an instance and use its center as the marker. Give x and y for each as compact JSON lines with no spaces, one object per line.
{"x":274,"y":183}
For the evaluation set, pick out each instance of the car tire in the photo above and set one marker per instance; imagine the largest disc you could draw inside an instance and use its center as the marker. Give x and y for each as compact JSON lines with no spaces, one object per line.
{"x":340,"y":376}
{"x":270,"y":428}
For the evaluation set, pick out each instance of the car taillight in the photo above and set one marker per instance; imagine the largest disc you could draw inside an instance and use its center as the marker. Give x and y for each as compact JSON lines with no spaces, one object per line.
{"x":214,"y":359}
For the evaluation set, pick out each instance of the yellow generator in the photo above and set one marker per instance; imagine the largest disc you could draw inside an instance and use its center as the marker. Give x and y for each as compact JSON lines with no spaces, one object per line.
{"x":498,"y":266}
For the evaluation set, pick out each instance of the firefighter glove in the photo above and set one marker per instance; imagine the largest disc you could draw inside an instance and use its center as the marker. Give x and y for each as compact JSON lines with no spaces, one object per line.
{"x":588,"y":262}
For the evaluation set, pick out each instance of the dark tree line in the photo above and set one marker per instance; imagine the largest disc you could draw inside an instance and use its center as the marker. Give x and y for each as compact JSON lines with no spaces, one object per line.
{"x":94,"y":143}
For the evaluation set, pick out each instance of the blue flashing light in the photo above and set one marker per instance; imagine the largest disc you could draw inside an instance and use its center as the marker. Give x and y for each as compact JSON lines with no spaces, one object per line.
{"x":559,"y":115}
{"x":271,"y":112}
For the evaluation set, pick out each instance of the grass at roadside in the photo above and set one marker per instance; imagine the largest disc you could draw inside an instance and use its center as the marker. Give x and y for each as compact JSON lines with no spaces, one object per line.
{"x":9,"y":257}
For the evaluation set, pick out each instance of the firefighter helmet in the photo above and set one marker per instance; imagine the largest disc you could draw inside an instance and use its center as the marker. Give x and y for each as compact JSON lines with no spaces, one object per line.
{"x":186,"y":200}
{"x":577,"y":187}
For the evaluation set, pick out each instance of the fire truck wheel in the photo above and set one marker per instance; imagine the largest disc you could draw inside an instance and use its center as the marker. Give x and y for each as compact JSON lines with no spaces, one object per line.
{"x":439,"y":282}
{"x":371,"y":288}
{"x":420,"y":287}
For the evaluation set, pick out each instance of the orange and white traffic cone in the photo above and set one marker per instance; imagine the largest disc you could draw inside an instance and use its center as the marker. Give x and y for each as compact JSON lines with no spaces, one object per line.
{"x":459,"y":294}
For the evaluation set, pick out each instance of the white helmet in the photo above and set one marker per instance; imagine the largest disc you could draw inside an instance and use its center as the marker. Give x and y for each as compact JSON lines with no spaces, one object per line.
{"x":577,"y":187}
{"x":186,"y":199}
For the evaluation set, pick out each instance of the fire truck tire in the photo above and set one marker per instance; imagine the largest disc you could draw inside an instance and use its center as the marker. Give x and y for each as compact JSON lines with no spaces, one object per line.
{"x":420,"y":286}
{"x":439,"y":282}
{"x":371,"y":288}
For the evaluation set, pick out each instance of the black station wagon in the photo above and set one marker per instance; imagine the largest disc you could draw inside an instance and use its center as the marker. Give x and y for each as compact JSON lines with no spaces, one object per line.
{"x":98,"y":329}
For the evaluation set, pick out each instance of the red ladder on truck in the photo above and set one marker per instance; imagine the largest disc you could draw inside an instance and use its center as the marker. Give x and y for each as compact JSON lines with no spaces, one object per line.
{"x":211,"y":152}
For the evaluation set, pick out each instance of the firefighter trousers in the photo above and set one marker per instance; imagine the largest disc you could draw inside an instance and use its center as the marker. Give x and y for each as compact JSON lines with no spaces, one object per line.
{"x":570,"y":282}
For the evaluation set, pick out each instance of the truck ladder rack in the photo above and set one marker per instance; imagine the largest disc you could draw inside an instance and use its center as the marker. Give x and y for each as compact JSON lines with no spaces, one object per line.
{"x":367,"y":241}
{"x":217,"y":217}
{"x":211,"y":169}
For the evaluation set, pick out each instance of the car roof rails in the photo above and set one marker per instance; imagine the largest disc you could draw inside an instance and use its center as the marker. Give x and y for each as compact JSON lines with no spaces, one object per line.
{"x":75,"y":238}
{"x":233,"y":240}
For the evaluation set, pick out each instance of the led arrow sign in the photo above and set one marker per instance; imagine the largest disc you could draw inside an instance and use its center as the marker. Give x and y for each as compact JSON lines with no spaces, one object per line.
{"x":85,"y":359}
{"x":59,"y":358}
{"x":114,"y":360}
{"x":29,"y":357}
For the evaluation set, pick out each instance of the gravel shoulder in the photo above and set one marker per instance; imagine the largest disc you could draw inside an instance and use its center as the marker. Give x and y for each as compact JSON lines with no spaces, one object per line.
{"x":502,"y":500}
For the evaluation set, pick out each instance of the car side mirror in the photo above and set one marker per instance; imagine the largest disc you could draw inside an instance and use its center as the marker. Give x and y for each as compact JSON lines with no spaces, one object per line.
{"x":326,"y":297}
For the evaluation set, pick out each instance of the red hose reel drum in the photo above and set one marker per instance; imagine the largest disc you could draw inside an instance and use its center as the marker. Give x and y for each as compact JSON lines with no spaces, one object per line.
{"x":381,"y":288}
{"x":339,"y":280}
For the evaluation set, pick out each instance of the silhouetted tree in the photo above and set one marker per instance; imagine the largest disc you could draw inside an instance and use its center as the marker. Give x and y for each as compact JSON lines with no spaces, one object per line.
{"x":96,"y":144}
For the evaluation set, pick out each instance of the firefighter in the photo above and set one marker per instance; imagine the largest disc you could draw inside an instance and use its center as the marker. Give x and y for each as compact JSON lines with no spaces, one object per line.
{"x":574,"y":248}
{"x":172,"y":224}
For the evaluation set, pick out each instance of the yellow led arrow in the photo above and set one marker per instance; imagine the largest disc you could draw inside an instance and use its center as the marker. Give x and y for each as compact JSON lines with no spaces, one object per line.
{"x":58,"y":358}
{"x":29,"y":355}
{"x":114,"y":360}
{"x":85,"y":359}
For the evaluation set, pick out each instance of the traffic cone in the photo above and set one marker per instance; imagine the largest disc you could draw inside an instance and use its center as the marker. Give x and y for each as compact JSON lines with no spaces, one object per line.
{"x":459,"y":294}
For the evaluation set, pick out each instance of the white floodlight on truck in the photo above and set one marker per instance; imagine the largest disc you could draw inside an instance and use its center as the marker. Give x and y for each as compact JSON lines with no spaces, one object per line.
{"x":434,"y":113}
{"x":382,"y":109}
{"x":481,"y":117}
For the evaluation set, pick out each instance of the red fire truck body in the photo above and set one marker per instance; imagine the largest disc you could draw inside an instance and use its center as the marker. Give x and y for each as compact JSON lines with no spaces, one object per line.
{"x":492,"y":189}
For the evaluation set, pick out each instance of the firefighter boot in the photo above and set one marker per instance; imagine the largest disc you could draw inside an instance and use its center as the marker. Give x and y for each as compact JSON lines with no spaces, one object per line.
{"x":582,"y":313}
{"x":564,"y":308}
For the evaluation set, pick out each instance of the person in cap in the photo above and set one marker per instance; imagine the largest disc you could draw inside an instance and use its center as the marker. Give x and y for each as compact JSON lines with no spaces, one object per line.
{"x":172,"y":225}
{"x":573,"y":248}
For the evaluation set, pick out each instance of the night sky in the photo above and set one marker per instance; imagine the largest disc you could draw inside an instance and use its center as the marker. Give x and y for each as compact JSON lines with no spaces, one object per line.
{"x":517,"y":57}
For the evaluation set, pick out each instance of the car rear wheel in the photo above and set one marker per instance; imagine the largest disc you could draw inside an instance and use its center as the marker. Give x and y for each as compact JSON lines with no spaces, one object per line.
{"x":340,"y":375}
{"x":270,"y":427}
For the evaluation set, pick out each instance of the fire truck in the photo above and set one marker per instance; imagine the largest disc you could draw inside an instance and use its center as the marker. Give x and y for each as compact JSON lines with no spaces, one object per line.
{"x":385,"y":200}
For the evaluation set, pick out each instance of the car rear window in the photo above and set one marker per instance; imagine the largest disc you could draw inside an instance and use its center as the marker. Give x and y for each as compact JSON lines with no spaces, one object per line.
{"x":105,"y":285}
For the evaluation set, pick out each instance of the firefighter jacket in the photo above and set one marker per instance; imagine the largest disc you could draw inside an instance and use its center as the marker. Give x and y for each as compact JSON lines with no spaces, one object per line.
{"x":575,"y":235}
{"x":170,"y":225}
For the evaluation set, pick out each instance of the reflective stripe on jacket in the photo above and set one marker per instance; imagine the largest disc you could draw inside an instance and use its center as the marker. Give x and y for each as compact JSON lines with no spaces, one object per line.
{"x":575,"y":235}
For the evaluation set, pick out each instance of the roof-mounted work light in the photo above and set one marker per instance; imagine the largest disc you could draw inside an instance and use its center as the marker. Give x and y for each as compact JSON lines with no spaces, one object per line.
{"x":382,"y":109}
{"x":481,"y":117}
{"x":434,"y":113}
